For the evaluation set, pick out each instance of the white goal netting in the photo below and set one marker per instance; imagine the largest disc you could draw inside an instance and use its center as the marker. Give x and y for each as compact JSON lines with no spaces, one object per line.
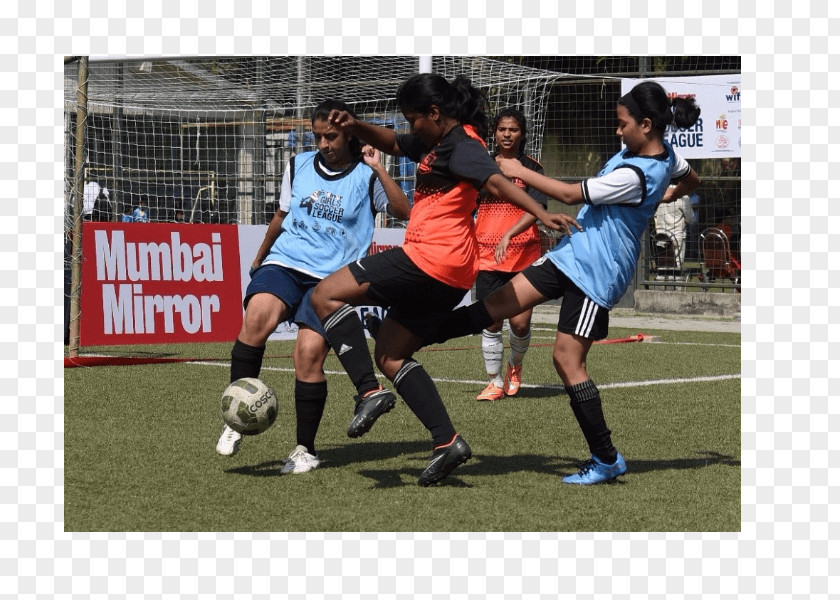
{"x":208,"y":138}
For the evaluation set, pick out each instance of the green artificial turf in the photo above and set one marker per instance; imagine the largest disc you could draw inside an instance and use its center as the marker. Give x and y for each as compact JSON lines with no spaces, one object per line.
{"x":140,"y":446}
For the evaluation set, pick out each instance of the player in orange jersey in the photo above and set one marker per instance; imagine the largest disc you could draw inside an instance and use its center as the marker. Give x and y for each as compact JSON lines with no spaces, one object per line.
{"x":508,"y":241}
{"x":430,"y":274}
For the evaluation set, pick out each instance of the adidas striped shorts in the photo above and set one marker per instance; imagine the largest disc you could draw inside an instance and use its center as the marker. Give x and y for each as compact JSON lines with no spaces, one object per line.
{"x":579,"y":314}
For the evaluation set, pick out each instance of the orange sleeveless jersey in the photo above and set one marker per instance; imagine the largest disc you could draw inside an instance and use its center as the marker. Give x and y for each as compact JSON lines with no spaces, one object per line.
{"x":495,"y":217}
{"x":440,"y":237}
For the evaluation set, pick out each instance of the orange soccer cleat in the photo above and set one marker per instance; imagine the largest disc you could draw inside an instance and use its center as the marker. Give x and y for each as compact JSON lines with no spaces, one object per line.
{"x":492,"y":393}
{"x":513,"y":379}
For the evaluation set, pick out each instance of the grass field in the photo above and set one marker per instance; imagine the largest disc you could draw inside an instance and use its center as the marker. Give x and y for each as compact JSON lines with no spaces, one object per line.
{"x":140,"y":446}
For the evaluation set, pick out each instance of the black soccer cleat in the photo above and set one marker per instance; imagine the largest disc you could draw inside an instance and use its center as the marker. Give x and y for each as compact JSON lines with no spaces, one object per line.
{"x":444,"y":460}
{"x":372,"y":324}
{"x":368,"y":409}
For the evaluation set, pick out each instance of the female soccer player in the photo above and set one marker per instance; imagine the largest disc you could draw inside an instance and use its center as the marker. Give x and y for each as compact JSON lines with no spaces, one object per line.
{"x":508,"y":241}
{"x":328,"y":201}
{"x":592,"y":269}
{"x":423,"y":280}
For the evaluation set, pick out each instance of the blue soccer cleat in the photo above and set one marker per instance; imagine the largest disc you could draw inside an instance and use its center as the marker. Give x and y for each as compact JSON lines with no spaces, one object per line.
{"x":594,"y":471}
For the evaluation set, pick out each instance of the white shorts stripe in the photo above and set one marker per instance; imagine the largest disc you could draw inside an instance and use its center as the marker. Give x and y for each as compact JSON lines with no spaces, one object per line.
{"x":581,"y":316}
{"x":587,"y":318}
{"x":595,"y":308}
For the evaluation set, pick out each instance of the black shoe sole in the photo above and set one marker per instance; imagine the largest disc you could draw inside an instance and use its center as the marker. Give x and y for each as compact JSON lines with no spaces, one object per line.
{"x":445,"y":471}
{"x":361,"y":427}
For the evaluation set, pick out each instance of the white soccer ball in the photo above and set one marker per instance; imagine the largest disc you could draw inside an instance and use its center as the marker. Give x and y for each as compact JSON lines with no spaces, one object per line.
{"x":249,"y":406}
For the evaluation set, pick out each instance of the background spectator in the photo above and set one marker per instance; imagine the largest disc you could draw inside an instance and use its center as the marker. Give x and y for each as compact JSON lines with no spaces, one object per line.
{"x":674,"y":218}
{"x":141,"y":213}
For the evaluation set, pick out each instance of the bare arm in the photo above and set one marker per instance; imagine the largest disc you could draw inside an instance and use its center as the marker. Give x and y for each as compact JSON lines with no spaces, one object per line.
{"x":521,"y":225}
{"x":272,"y":233}
{"x":501,"y":187}
{"x":567,"y":193}
{"x":397,"y":200}
{"x":684,"y":188}
{"x":381,"y":138}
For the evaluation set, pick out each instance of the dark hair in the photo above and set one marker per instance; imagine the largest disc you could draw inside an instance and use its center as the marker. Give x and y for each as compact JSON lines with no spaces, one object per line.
{"x":513,"y":113}
{"x":457,"y":99}
{"x":323,"y":110}
{"x":649,"y":100}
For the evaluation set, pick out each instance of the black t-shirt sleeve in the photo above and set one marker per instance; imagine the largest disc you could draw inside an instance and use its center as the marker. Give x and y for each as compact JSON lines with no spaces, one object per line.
{"x":471,"y":162}
{"x":411,"y":146}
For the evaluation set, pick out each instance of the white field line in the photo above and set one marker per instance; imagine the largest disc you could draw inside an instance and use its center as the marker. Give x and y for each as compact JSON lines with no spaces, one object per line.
{"x":551,"y":339}
{"x":551,"y":386}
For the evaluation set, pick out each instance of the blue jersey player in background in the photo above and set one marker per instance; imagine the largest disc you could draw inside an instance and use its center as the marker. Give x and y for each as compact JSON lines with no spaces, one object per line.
{"x":591,"y":269}
{"x":328,"y":202}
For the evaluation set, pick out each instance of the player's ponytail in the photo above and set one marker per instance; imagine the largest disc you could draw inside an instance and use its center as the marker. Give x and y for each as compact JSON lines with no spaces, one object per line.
{"x":686,"y":112}
{"x":458,"y":99}
{"x":470,"y":105}
{"x":648,"y":100}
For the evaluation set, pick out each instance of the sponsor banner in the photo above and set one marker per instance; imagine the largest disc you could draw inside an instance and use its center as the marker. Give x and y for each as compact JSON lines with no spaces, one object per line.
{"x":152,"y":283}
{"x":146,"y":283}
{"x":717,"y":133}
{"x":250,"y":238}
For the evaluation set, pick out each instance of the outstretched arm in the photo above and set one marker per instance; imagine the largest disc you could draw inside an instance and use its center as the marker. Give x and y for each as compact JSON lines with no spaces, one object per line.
{"x":567,"y":193}
{"x":382,"y":138}
{"x":501,"y":187}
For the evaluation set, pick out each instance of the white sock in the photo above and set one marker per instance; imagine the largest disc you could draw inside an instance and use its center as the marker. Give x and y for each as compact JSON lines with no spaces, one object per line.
{"x":493,"y":349}
{"x":518,"y":347}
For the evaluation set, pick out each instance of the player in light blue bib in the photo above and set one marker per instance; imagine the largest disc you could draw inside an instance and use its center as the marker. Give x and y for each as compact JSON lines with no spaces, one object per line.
{"x":591,"y":269}
{"x":328,"y":201}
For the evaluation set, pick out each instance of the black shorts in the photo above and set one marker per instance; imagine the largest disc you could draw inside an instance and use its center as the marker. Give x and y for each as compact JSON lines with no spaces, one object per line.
{"x":579,"y":314}
{"x":414,"y":299}
{"x":488,"y":282}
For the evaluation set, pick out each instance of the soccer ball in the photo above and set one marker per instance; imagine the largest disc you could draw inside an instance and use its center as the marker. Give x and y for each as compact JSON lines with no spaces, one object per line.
{"x":249,"y":406}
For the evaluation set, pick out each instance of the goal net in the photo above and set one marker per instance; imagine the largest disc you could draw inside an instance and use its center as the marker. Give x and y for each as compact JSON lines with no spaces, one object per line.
{"x":207,"y":139}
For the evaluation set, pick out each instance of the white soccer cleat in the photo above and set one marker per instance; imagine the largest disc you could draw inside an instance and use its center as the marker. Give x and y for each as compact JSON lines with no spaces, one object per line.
{"x":229,"y":442}
{"x":300,"y":461}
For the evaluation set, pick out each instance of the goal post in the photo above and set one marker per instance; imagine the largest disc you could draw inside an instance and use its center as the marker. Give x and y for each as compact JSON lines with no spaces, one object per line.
{"x":76,"y":202}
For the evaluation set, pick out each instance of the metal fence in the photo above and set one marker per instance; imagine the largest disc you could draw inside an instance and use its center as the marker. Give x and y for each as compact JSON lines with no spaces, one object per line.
{"x":210,"y":137}
{"x":580,"y":136}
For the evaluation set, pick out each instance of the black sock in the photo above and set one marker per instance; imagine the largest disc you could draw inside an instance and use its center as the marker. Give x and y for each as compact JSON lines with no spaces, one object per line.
{"x":245,"y":360}
{"x":310,"y":399}
{"x":462,"y":321}
{"x":585,"y":401}
{"x":347,"y":337}
{"x":419,"y":392}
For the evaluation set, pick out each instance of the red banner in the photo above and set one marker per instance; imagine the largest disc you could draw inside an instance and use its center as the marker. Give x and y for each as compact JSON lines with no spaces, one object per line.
{"x":146,"y":283}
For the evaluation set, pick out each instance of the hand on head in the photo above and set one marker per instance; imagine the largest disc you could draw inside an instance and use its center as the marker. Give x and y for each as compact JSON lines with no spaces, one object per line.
{"x":341,"y":119}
